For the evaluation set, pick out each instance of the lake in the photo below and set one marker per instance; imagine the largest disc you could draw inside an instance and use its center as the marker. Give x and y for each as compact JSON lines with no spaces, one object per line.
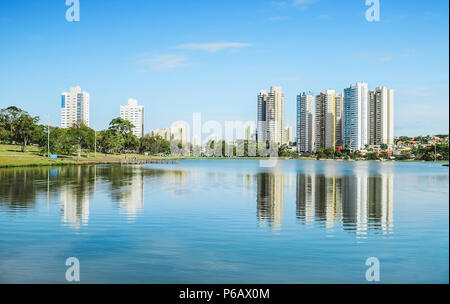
{"x":226,"y":221}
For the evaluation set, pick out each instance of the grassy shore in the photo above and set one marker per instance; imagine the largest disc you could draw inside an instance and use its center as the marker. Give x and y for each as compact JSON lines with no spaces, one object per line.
{"x":12,"y":156}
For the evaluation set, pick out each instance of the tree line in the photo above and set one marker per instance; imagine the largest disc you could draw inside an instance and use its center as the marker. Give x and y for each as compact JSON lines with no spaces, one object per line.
{"x":19,"y":127}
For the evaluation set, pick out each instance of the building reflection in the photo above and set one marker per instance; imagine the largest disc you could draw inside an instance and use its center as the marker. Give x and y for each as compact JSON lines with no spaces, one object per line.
{"x":131,"y":199}
{"x":270,"y":199}
{"x":358,"y":203}
{"x":75,"y":195}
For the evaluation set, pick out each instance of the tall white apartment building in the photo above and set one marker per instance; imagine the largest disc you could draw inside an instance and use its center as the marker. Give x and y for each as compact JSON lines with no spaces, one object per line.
{"x":134,"y":114}
{"x":356,"y":108}
{"x":381,"y":116}
{"x":330,"y":119}
{"x":305,"y":123}
{"x":271,"y":116}
{"x":339,"y":119}
{"x":74,"y":107}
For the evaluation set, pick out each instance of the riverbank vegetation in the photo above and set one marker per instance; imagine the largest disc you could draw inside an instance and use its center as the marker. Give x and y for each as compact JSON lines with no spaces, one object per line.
{"x":26,"y":142}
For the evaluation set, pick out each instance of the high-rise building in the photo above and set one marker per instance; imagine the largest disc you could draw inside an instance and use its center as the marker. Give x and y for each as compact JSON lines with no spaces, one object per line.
{"x":288,"y":135}
{"x":339,"y":119}
{"x":381,"y":116}
{"x":319,"y":122}
{"x":271,"y":116}
{"x":180,"y":132}
{"x":305,"y":123}
{"x":249,"y":131}
{"x":325,"y":121}
{"x":74,"y":107}
{"x":134,"y":114}
{"x":356,"y":116}
{"x":164,"y":133}
{"x":261,"y":132}
{"x":330,"y":119}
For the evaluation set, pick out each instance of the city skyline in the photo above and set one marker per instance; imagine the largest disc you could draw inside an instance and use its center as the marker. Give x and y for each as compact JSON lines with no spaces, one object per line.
{"x":175,"y":61}
{"x":357,"y":118}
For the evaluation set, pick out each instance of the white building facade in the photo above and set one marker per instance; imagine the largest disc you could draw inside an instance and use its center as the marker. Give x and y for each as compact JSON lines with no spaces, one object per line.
{"x":74,"y":107}
{"x":381,"y":116}
{"x":270,"y":121}
{"x":356,"y":108}
{"x":134,"y":114}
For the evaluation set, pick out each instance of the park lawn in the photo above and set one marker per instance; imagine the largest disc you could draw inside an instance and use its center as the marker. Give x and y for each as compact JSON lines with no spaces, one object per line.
{"x":8,"y":150}
{"x":12,"y":156}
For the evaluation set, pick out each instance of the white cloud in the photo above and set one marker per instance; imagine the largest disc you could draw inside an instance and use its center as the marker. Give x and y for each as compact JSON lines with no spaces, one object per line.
{"x":386,"y":58}
{"x":212,"y":47}
{"x":301,"y":4}
{"x":164,"y":62}
{"x":277,"y":18}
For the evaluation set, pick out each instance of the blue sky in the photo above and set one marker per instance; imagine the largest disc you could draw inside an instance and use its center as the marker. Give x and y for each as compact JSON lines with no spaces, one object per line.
{"x":213,"y":57}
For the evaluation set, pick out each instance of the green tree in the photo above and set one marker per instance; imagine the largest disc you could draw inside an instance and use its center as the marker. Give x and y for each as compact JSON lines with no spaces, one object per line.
{"x":123,"y":126}
{"x":24,"y":129}
{"x":404,"y":155}
{"x":131,"y":142}
{"x":338,"y":154}
{"x":110,"y":141}
{"x":384,"y":155}
{"x":329,"y":152}
{"x":83,"y":137}
{"x":372,"y":156}
{"x":320,"y":154}
{"x":9,"y":118}
{"x":403,"y":138}
{"x":61,"y":142}
{"x":154,"y":145}
{"x":283,"y":150}
{"x":4,"y":134}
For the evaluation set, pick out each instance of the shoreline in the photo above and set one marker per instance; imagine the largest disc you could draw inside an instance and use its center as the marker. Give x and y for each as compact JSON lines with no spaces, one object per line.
{"x":24,"y":162}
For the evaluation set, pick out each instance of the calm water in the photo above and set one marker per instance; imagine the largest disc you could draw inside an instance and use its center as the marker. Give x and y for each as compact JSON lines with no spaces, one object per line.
{"x":226,"y":221}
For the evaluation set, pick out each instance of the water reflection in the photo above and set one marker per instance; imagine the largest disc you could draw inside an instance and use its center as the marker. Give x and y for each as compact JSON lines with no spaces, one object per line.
{"x":75,"y":185}
{"x":270,"y":199}
{"x":358,"y":203}
{"x":131,"y":198}
{"x":18,"y":187}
